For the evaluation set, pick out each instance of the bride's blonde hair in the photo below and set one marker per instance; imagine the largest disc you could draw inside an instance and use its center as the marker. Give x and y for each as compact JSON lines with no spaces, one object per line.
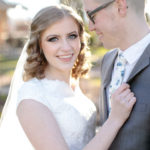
{"x":36,"y":62}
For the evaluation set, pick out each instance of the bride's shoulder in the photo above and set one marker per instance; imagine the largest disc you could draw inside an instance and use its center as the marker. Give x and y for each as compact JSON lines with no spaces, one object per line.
{"x":32,"y":89}
{"x":30,"y":85}
{"x":35,"y":84}
{"x":33,"y":81}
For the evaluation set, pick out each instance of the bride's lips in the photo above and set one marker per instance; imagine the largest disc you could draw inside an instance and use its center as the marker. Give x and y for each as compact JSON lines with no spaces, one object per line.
{"x":66,"y":57}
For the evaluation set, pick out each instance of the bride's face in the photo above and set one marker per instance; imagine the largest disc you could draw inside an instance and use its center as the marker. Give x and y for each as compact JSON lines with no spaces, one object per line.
{"x":61,"y":45}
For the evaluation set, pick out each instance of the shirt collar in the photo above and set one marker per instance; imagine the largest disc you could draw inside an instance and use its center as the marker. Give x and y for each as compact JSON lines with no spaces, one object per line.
{"x":135,"y":51}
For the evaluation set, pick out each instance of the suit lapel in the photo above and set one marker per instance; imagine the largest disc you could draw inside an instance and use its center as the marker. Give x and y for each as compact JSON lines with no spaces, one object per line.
{"x":106,"y":77}
{"x":143,"y":62}
{"x":109,"y":67}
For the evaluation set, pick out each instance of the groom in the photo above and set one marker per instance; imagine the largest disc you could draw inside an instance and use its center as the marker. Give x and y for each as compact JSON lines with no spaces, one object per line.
{"x":121,"y":26}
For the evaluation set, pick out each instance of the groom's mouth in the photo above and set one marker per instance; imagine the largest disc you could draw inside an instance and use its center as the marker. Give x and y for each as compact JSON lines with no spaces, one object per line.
{"x":100,"y":35}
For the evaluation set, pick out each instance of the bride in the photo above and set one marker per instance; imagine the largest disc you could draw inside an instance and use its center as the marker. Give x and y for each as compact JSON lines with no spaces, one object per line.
{"x":52,"y":112}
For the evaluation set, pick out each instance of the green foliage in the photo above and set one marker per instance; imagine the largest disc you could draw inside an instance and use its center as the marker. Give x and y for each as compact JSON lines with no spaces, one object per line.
{"x":7,"y":66}
{"x":2,"y":101}
{"x":99,"y":51}
{"x":2,"y":58}
{"x":147,"y":18}
{"x":75,"y":4}
{"x":3,"y":98}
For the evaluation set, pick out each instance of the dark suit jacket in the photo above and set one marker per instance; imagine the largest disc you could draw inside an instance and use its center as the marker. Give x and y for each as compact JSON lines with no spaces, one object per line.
{"x":135,"y":133}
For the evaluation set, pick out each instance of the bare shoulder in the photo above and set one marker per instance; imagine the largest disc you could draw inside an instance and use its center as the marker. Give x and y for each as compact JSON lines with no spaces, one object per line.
{"x":40,"y":125}
{"x":30,"y":111}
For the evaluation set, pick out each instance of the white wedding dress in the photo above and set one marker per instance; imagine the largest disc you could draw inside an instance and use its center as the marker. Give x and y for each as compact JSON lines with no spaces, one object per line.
{"x":73,"y":111}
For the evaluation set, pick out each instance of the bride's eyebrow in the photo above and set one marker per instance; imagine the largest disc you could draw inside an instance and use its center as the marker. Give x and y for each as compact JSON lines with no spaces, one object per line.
{"x":52,"y":35}
{"x":73,"y":32}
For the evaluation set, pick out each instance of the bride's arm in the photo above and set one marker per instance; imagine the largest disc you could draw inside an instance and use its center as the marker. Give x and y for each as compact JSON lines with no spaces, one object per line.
{"x":122,"y":103}
{"x":40,"y":126}
{"x":43,"y":131}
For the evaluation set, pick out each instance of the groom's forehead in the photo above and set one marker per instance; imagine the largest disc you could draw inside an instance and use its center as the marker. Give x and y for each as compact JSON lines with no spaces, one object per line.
{"x":90,"y":4}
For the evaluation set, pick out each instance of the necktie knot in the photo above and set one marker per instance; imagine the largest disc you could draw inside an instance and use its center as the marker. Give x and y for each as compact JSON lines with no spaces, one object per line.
{"x":121,"y":60}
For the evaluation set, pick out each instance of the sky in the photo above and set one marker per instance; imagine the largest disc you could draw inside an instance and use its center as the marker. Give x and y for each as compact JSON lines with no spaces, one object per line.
{"x":35,"y":5}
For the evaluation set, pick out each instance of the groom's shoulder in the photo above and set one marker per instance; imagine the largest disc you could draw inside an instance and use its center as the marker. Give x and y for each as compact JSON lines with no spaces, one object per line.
{"x":110,"y":52}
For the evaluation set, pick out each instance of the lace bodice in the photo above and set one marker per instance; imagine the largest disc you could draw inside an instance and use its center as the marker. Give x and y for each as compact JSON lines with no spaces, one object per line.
{"x":74,"y":113}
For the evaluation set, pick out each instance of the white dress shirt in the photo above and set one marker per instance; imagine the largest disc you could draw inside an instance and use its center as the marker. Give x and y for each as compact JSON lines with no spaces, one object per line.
{"x":132,"y":55}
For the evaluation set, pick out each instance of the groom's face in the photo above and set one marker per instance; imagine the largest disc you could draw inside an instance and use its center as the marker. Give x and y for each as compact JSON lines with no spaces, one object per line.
{"x":105,"y":22}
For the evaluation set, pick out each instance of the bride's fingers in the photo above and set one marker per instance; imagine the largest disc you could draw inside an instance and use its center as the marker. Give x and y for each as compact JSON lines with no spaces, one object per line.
{"x":121,"y":93}
{"x":131,"y":102}
{"x":122,"y":88}
{"x":128,"y":97}
{"x":125,"y":93}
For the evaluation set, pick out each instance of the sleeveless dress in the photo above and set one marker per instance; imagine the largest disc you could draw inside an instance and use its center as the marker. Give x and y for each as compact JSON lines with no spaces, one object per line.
{"x":73,"y":111}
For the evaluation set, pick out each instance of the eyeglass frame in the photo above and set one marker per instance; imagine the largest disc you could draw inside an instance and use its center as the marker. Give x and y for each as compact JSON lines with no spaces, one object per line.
{"x":98,"y":9}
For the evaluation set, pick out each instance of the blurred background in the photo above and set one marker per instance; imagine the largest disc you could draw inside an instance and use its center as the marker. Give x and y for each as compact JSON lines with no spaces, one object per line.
{"x":15,"y":18}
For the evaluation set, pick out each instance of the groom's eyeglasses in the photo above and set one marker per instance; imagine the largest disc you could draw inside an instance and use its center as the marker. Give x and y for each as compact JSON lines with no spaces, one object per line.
{"x":91,"y":13}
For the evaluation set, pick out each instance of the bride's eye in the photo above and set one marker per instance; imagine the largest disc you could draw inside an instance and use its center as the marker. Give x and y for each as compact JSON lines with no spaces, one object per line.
{"x":53,"y":39}
{"x":73,"y":36}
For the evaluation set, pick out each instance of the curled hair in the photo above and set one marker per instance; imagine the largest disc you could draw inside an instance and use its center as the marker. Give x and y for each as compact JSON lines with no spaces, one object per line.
{"x":36,"y":62}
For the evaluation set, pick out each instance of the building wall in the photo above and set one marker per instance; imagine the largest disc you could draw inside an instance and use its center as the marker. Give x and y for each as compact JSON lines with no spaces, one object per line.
{"x":3,"y":26}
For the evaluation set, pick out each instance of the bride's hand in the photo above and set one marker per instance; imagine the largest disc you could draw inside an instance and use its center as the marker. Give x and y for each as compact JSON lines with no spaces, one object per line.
{"x":122,"y":102}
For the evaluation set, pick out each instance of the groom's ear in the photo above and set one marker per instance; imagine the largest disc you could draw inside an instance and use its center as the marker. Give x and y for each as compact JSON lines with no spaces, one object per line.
{"x":122,"y":7}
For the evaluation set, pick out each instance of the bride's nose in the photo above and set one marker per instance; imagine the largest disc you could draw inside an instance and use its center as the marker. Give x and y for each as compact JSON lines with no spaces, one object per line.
{"x":65,"y":45}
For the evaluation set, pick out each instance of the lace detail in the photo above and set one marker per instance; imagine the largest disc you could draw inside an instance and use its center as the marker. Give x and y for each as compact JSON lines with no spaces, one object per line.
{"x":75,"y":113}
